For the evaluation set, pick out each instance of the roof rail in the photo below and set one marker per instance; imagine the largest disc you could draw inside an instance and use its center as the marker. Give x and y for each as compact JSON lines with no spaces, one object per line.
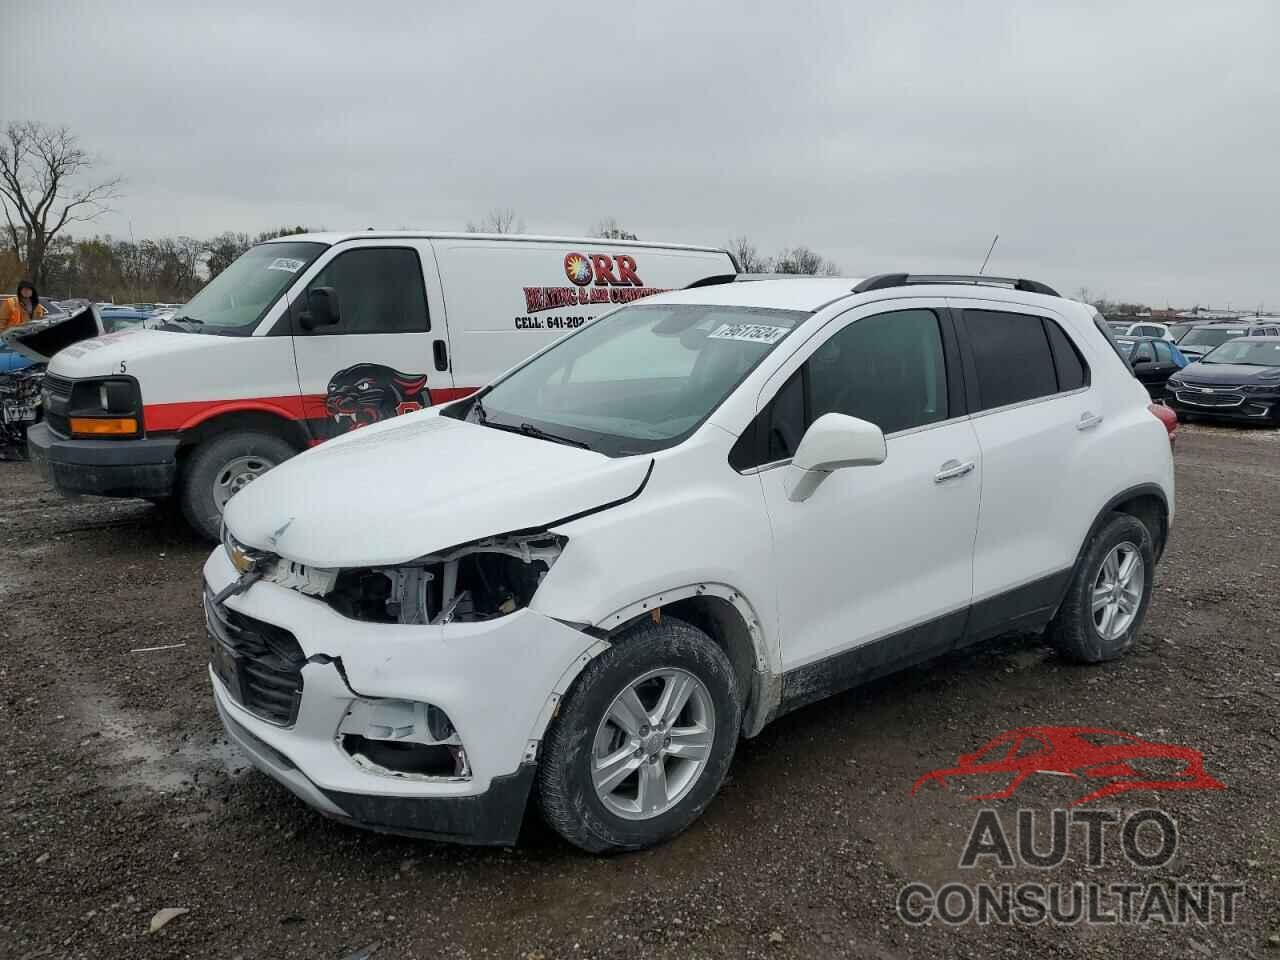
{"x":885,"y":280}
{"x":716,"y":279}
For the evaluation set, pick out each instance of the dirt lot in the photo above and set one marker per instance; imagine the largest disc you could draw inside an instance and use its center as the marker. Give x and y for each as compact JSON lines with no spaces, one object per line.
{"x":121,"y":797}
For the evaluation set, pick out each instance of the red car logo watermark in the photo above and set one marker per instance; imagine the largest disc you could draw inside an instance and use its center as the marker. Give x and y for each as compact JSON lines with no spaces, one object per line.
{"x":1088,"y":753}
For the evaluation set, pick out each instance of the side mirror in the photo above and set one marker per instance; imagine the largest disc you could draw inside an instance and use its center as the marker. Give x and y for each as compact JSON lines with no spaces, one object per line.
{"x":832,"y":442}
{"x":322,"y":308}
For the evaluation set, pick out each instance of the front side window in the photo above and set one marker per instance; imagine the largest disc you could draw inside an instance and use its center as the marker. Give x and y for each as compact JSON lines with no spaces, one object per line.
{"x":1011,"y":356}
{"x":379,"y":290}
{"x":639,"y":379}
{"x":1164,"y":353}
{"x":235,"y":300}
{"x":888,"y":369}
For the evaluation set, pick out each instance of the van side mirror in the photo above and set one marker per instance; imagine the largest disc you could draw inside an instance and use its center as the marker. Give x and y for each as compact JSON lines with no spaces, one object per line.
{"x":322,"y":308}
{"x":832,"y":442}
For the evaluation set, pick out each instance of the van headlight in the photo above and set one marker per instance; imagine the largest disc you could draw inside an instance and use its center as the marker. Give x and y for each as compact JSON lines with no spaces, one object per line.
{"x":104,"y":408}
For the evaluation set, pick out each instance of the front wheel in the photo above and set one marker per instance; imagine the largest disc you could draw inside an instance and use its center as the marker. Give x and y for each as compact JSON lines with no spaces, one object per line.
{"x":643,"y":741}
{"x":221,"y":467}
{"x":1108,"y":595}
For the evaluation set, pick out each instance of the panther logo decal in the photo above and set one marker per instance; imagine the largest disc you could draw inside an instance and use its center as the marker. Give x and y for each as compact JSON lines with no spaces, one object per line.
{"x":369,"y":392}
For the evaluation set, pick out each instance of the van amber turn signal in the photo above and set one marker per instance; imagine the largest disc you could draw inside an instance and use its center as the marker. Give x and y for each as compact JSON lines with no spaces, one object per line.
{"x":104,"y":426}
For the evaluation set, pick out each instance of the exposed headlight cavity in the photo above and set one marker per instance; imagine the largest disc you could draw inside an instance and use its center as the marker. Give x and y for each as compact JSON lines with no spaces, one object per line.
{"x":483,"y":580}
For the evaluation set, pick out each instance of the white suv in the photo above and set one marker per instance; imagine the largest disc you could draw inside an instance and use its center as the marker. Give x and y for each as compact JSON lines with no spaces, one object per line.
{"x":590,"y":578}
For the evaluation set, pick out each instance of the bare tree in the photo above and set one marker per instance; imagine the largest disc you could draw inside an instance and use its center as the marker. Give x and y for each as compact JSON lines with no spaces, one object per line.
{"x":803,"y":260}
{"x":497,"y":220}
{"x":610,"y":229}
{"x":749,"y":258}
{"x":43,"y":170}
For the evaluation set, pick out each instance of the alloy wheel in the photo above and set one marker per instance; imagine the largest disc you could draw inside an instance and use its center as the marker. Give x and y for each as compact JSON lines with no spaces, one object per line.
{"x":653,"y":743}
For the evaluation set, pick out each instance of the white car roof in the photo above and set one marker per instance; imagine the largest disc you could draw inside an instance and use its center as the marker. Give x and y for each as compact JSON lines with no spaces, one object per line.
{"x":332,"y":237}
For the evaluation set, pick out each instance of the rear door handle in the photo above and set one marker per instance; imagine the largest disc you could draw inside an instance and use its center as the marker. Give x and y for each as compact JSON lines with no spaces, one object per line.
{"x":1088,"y":420}
{"x":952,"y":469}
{"x":441,"y":355}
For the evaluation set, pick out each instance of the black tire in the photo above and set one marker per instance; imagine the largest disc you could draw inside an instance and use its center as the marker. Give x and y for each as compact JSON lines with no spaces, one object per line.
{"x":208,"y":461}
{"x":566,"y":793}
{"x":1073,"y":631}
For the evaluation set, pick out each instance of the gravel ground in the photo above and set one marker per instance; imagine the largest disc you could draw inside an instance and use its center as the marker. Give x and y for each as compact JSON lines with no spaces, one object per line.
{"x":120,"y":796}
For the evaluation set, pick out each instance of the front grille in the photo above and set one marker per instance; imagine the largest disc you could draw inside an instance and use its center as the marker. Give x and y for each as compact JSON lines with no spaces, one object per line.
{"x":259,"y":663}
{"x":57,"y":386}
{"x":1196,"y":399}
{"x":56,"y":397}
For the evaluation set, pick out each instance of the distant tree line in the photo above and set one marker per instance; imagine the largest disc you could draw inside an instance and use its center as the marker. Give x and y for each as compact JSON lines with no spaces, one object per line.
{"x":165,"y":270}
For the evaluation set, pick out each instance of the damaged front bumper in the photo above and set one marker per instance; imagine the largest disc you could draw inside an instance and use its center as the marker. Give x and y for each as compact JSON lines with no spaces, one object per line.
{"x":427,"y":730}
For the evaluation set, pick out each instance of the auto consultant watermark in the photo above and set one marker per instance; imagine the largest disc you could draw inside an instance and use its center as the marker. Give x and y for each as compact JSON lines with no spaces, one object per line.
{"x":1041,"y":841}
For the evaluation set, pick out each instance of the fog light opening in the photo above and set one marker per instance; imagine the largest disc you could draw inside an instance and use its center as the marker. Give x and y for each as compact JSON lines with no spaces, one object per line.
{"x":413,"y":759}
{"x":403,"y":738}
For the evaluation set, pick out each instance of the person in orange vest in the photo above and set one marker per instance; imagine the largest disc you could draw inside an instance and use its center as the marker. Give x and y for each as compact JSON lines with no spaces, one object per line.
{"x":22,"y":308}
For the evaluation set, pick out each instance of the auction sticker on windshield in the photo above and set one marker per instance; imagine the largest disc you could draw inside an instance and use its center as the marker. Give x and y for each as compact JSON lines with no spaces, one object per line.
{"x":286,"y":264}
{"x":752,"y":332}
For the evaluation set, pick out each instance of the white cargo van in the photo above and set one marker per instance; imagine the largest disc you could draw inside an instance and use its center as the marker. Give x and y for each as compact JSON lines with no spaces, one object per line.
{"x":310,"y":336}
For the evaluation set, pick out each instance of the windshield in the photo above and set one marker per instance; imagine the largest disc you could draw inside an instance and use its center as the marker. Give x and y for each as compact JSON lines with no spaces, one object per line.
{"x":1178,"y":330}
{"x":1211,"y":336}
{"x":640,"y":379}
{"x":1252,"y":353}
{"x":236,"y":299}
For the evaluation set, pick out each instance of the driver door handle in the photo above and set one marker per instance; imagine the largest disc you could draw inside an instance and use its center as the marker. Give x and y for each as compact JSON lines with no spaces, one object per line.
{"x":953,"y":469}
{"x":1088,"y":419}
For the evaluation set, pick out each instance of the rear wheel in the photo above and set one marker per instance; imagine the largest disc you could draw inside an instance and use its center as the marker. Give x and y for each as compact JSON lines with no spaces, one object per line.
{"x":641,"y":745}
{"x":1108,"y":595}
{"x":220,"y":468}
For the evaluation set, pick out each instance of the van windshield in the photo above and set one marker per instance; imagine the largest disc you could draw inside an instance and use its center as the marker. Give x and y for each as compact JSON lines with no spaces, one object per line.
{"x":640,"y":379}
{"x":235,"y":300}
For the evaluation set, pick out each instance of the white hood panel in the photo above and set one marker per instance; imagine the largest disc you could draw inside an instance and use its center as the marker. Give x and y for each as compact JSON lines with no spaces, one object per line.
{"x":419,"y":484}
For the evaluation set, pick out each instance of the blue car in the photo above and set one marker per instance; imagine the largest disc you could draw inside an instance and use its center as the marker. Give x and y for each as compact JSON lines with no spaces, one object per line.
{"x":1153,"y":361}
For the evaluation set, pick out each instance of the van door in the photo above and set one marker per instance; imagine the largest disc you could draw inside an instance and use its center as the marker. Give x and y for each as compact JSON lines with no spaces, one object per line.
{"x":367,"y":344}
{"x":508,"y":299}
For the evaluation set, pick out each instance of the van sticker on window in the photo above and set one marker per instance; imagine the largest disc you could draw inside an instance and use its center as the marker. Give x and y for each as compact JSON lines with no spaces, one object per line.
{"x":286,"y":264}
{"x":751,"y":332}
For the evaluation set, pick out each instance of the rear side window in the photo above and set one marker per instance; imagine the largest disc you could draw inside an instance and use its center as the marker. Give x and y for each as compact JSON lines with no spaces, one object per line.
{"x":1144,"y":353}
{"x":1072,"y":371}
{"x":1011,"y":357}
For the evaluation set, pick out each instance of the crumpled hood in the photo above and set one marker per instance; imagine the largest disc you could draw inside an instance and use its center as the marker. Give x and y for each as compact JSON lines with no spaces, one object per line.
{"x":418,"y":484}
{"x":41,"y":339}
{"x":101,"y":356}
{"x":1228,"y":373}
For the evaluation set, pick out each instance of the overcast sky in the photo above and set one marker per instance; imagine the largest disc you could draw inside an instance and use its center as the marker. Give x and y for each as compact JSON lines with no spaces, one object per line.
{"x":1130,"y":148}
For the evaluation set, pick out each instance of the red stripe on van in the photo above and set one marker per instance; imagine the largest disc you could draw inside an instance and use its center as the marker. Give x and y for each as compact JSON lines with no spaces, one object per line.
{"x":185,"y":415}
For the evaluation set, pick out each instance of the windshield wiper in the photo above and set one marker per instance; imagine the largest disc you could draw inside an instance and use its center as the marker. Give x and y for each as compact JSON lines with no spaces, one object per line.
{"x":529,"y":430}
{"x":187,"y":320}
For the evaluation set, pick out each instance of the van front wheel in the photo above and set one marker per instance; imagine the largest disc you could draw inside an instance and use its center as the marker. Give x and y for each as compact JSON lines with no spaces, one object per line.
{"x":642,"y":742}
{"x":219,"y":468}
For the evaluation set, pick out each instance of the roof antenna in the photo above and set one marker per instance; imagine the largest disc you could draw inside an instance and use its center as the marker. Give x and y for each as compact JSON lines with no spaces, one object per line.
{"x":983,"y":268}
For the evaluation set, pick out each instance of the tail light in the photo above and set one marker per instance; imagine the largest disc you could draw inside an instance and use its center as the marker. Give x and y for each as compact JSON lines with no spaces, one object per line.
{"x":1166,"y":416}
